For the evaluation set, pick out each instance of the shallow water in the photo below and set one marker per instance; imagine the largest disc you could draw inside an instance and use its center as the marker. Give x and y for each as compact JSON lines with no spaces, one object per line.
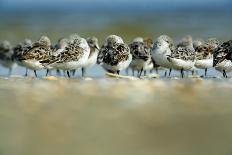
{"x":115,"y":116}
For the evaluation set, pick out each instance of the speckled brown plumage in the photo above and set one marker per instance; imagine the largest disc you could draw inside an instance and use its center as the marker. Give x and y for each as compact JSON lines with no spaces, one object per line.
{"x":223,"y":52}
{"x":117,"y":54}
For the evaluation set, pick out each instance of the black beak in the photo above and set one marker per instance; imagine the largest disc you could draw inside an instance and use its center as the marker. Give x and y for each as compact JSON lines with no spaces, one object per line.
{"x":214,"y":64}
{"x":169,"y":58}
{"x":96,"y":47}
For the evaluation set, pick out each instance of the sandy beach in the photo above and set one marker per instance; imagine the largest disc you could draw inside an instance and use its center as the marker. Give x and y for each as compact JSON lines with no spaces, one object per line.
{"x":115,"y":116}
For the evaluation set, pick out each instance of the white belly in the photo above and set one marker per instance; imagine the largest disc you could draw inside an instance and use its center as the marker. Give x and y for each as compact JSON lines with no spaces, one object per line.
{"x":148,"y":65}
{"x":203,"y":64}
{"x":225,"y":65}
{"x":121,"y":65}
{"x":91,"y":60}
{"x":71,"y":65}
{"x":161,"y":60}
{"x":32,"y":64}
{"x":179,"y":64}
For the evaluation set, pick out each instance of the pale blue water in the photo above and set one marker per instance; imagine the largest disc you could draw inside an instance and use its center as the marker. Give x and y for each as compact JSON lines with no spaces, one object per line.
{"x":98,"y":72}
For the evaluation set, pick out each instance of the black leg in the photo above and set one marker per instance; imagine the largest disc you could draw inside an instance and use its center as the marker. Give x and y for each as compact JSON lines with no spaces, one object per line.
{"x":182,"y":73}
{"x":224,"y":74}
{"x":145,"y":72}
{"x":26,"y":72}
{"x":170,"y":71}
{"x":192,"y":72}
{"x":35,"y":73}
{"x":151,"y":71}
{"x":140,"y":72}
{"x":206,"y":72}
{"x":47,"y":72}
{"x":118,"y":72}
{"x":83,"y":70}
{"x":133,"y":72}
{"x":165,"y":74}
{"x":68,"y":74}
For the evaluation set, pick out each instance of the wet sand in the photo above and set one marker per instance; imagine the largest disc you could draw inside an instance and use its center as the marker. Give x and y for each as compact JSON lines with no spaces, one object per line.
{"x":115,"y":116}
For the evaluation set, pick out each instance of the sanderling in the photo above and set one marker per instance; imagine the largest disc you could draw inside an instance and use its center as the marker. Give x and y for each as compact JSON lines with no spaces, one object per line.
{"x":141,"y":56}
{"x":6,"y":56}
{"x":109,"y":43}
{"x":57,"y":49}
{"x":162,"y":48}
{"x":19,"y":50}
{"x":204,"y":54}
{"x":39,"y":51}
{"x":115,"y":54}
{"x":94,"y":50}
{"x":183,"y":56}
{"x":150,"y":65}
{"x":72,"y":57}
{"x":222,"y":58}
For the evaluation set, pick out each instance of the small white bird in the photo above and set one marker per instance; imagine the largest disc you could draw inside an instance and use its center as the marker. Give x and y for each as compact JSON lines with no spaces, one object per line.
{"x":6,"y":56}
{"x":94,"y":51}
{"x":19,"y":50}
{"x":222,"y":58}
{"x":183,"y":56}
{"x":57,"y":49}
{"x":141,"y":56}
{"x":39,"y":51}
{"x":72,"y":57}
{"x":162,"y":49}
{"x":114,"y":55}
{"x":204,"y":54}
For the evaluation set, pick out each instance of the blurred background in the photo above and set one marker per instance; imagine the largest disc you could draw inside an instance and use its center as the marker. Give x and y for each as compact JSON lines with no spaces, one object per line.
{"x":128,"y":18}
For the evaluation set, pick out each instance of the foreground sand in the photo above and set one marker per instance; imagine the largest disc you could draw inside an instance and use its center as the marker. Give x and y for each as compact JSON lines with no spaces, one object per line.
{"x":115,"y":116}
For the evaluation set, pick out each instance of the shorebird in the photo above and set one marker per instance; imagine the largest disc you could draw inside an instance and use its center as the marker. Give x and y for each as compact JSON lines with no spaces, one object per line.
{"x":57,"y":49}
{"x":114,"y":55}
{"x":141,"y":56}
{"x":72,"y":57}
{"x":204,"y":54}
{"x":6,"y":56}
{"x":162,"y":49}
{"x":150,"y":65}
{"x":94,"y":50}
{"x":39,"y":51}
{"x":222,"y":58}
{"x":19,"y":50}
{"x":109,"y":43}
{"x":183,"y":56}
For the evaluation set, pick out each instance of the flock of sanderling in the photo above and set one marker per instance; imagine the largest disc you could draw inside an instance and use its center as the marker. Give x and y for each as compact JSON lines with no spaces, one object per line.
{"x":141,"y":55}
